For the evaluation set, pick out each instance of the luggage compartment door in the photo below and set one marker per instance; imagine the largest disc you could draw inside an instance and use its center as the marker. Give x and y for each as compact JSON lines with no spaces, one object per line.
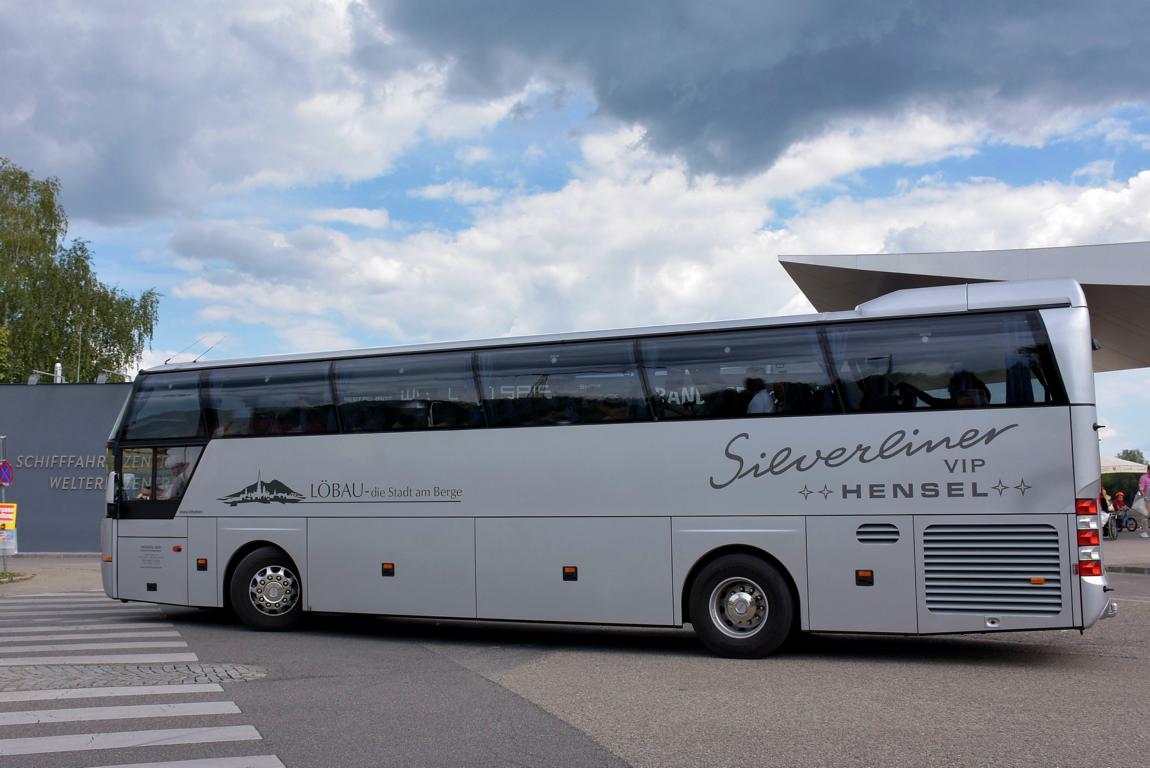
{"x":431,"y":573}
{"x":622,"y":569}
{"x":840,"y":553}
{"x":154,"y":570}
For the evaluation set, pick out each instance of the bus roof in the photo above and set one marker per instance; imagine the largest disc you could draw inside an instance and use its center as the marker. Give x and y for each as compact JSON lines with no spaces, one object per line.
{"x":944,"y":299}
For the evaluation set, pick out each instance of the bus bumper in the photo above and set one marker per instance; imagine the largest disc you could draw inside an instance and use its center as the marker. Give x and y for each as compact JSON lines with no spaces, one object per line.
{"x":1095,"y":601}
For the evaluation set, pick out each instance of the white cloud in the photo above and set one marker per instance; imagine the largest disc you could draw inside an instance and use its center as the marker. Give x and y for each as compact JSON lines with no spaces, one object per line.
{"x":368,"y":218}
{"x":909,"y":139}
{"x":473,"y":155}
{"x":1097,"y":172}
{"x":459,"y":191}
{"x":632,"y":239}
{"x":149,"y":112}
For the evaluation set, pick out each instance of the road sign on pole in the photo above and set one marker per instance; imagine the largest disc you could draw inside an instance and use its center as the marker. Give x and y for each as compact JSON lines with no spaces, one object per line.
{"x":6,"y":473}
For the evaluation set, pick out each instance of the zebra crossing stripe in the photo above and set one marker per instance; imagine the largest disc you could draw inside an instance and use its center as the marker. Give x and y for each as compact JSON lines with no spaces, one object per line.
{"x":40,"y":648}
{"x":255,"y":761}
{"x":6,"y":607}
{"x":133,"y":712}
{"x":84,"y":636}
{"x":6,"y":624}
{"x":61,"y":694}
{"x":111,"y":658}
{"x":78,"y":593}
{"x":86,"y":627}
{"x":38,"y":745}
{"x":110,"y":610}
{"x":45,"y":600}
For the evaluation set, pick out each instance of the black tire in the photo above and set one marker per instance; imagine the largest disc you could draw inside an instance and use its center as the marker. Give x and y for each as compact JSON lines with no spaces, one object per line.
{"x":1131,"y":525}
{"x":257,"y":610}
{"x":755,"y":585}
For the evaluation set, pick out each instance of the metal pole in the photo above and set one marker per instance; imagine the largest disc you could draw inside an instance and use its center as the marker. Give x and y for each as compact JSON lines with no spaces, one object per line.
{"x":3,"y":496}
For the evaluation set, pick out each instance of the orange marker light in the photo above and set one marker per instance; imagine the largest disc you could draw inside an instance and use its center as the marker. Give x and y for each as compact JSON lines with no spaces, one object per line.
{"x":107,"y":558}
{"x":1037,"y":580}
{"x":177,"y":548}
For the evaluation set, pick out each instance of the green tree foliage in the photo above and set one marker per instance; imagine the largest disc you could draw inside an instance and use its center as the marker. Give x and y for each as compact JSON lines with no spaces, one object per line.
{"x":52,"y":305}
{"x":1132,"y":454}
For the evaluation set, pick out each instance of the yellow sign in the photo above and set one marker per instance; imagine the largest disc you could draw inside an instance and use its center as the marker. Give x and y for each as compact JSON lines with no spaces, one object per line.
{"x":7,"y":517}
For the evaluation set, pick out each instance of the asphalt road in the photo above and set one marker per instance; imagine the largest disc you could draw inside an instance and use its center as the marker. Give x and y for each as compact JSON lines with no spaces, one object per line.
{"x":353,"y":691}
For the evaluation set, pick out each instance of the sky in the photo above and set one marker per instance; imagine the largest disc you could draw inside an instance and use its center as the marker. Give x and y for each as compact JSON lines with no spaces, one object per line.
{"x":310,"y":175}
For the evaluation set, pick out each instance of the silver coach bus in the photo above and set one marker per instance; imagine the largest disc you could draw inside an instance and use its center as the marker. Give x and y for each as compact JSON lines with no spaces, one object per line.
{"x":925,"y":464}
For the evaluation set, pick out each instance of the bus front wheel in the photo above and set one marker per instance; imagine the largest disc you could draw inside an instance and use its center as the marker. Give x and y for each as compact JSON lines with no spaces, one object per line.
{"x":265,"y":590}
{"x":741,"y":607}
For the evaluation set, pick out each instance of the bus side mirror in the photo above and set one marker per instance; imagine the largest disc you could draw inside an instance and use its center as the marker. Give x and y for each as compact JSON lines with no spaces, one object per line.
{"x":111,"y":489}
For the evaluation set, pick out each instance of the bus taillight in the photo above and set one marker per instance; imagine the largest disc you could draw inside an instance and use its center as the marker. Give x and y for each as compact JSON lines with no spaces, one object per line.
{"x":1086,"y":506}
{"x":1089,"y":551}
{"x":1088,"y":538}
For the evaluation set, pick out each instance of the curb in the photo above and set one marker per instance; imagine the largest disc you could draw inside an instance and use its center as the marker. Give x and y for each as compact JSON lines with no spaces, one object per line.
{"x":1143,"y":569}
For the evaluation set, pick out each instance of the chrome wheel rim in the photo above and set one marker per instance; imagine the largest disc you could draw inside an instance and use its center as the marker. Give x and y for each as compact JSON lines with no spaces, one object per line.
{"x":274,"y":590}
{"x":738,"y":607}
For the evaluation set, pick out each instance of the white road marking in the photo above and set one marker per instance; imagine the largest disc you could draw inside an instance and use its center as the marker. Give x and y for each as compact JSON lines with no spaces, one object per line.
{"x":133,"y":712}
{"x":61,"y":694}
{"x":64,"y":607}
{"x":77,"y":593}
{"x":83,"y":636}
{"x":113,"y":658}
{"x":39,"y":648}
{"x":37,"y":745}
{"x":255,"y":761}
{"x":59,"y":600}
{"x":110,"y":610}
{"x":105,"y":619}
{"x":85,"y":627}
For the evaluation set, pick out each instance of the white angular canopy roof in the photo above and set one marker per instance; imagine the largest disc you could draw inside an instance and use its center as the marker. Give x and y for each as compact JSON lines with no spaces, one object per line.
{"x":1115,"y":278}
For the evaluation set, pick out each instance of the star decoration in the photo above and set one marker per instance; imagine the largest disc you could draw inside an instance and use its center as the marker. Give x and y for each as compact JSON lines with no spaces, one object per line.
{"x":826,"y":492}
{"x":1000,"y":487}
{"x":1022,"y":487}
{"x":805,"y":492}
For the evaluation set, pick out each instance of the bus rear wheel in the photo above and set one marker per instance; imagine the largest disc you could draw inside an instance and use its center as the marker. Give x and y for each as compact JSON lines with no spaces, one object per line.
{"x":265,"y":590}
{"x":741,"y":607}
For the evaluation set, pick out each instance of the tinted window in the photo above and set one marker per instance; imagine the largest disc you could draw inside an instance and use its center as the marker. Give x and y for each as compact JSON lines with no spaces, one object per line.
{"x":165,"y":405}
{"x":173,"y":470}
{"x":964,"y":361}
{"x":292,"y":398}
{"x":407,"y":392}
{"x":562,"y":384}
{"x":136,"y":474}
{"x":739,"y":373}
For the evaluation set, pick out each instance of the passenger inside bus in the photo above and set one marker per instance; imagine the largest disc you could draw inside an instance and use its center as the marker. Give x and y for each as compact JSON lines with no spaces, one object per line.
{"x":965,"y":390}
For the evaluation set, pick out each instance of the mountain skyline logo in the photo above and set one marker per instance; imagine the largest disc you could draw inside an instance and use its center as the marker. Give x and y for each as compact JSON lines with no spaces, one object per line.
{"x":261,"y":492}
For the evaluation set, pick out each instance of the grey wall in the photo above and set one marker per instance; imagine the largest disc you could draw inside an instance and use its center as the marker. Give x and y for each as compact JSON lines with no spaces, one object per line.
{"x":57,"y":435}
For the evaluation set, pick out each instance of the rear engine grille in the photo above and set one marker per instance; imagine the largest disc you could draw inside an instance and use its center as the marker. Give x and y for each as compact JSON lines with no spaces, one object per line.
{"x":877,"y":533}
{"x":992,"y":569}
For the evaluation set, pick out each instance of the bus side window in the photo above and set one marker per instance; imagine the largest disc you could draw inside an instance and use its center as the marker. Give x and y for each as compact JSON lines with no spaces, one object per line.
{"x":757,"y":372}
{"x":281,"y":398}
{"x":586,"y":383}
{"x":407,"y":392}
{"x":165,"y":405}
{"x":960,"y":361}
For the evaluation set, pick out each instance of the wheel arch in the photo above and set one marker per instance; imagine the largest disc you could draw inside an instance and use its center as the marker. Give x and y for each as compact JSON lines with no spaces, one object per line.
{"x":243,"y":551}
{"x":737,"y":549}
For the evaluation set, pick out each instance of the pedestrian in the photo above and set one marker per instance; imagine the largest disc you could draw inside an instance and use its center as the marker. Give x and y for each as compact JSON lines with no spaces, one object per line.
{"x":1139,"y":507}
{"x":1106,"y":511}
